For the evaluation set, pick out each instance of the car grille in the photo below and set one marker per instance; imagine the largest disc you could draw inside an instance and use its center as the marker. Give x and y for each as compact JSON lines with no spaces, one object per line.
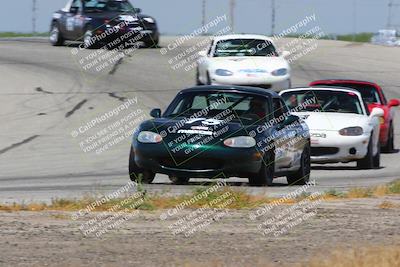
{"x":323,"y":151}
{"x":191,"y":164}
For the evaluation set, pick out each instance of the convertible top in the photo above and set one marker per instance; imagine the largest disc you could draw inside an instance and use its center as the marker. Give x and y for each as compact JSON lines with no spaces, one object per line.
{"x":324,"y":87}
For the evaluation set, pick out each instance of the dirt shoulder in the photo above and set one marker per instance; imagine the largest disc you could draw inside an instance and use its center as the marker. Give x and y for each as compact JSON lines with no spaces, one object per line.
{"x":53,"y":239}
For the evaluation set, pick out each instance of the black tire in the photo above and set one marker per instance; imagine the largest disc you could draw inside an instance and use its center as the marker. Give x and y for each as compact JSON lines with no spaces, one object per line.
{"x":87,"y":41}
{"x":56,"y":38}
{"x":198,"y":82}
{"x":368,"y":161}
{"x":179,"y":180}
{"x":266,"y":174}
{"x":152,"y":43}
{"x":137,"y":174}
{"x":208,"y":79}
{"x":302,"y":176}
{"x":377,"y":158}
{"x":389,"y":147}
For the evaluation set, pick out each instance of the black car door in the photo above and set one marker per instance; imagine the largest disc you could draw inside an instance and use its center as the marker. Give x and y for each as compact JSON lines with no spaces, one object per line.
{"x":74,"y":20}
{"x":282,"y":136}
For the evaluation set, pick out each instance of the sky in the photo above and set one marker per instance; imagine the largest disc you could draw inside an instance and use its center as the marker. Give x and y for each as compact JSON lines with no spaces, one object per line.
{"x":251,"y":16}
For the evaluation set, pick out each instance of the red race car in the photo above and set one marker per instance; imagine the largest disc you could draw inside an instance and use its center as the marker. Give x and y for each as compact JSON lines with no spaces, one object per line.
{"x":374,"y":97}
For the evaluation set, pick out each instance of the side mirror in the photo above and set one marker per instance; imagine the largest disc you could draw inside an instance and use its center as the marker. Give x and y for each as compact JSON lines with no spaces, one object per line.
{"x":285,"y":53}
{"x":291,"y":119}
{"x":137,"y":10}
{"x":288,"y":121}
{"x":202,"y":53}
{"x":377,"y":112}
{"x":155,"y":113}
{"x":394,"y":103}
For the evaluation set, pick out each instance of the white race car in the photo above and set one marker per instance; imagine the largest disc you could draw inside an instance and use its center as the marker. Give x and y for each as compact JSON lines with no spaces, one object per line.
{"x":341,"y":128}
{"x":243,"y":59}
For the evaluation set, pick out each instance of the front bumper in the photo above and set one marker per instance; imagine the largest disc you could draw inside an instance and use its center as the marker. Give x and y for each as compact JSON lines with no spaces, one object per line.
{"x":331,"y":147}
{"x":276,"y":83}
{"x":206,"y":162}
{"x":126,"y":34}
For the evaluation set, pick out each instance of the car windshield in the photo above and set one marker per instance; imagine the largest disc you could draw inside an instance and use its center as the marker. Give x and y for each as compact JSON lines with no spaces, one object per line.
{"x":245,"y":47}
{"x":108,"y":6}
{"x":369,"y":93}
{"x":323,"y":101}
{"x":246,"y":108}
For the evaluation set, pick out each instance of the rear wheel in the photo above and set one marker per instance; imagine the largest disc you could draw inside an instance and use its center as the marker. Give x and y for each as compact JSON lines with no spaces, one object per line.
{"x":368,"y":161}
{"x":390,"y":143}
{"x":302,"y":176}
{"x":138,"y":174}
{"x":266,"y":174}
{"x":56,"y":38}
{"x":179,"y":180}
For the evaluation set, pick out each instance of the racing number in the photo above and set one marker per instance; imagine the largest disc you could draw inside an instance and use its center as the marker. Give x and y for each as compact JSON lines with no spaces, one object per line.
{"x":208,"y":122}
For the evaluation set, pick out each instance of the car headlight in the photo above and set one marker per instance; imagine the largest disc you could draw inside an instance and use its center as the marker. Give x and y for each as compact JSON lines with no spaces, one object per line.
{"x":280,"y":72}
{"x":240,"y":141}
{"x":351,"y":131}
{"x":149,"y":137}
{"x":149,"y":20}
{"x":222,"y":72}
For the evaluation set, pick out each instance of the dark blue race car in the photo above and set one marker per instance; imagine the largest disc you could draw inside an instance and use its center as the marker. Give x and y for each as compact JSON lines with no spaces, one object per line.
{"x":101,"y":22}
{"x":221,"y":132}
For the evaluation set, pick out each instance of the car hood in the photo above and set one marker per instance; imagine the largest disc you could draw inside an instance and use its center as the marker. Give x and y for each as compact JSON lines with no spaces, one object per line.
{"x":331,"y":121}
{"x":115,"y":15}
{"x":171,"y":129}
{"x":268,"y":64}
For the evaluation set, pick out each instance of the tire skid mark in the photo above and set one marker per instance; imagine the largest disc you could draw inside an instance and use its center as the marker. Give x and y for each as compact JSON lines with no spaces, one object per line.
{"x":39,"y":89}
{"x":116,"y":65}
{"x":120,"y":98}
{"x":77,"y":107}
{"x":27,"y":140}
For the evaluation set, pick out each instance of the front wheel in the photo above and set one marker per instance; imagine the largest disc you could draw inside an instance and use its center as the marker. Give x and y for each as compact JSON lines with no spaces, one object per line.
{"x":89,"y":41}
{"x":368,"y":161}
{"x":56,"y":38}
{"x":390,"y":143}
{"x":209,"y":82}
{"x":266,"y":174}
{"x":377,"y":158}
{"x":152,"y":43}
{"x":302,"y":176}
{"x":137,"y":174}
{"x":198,"y":82}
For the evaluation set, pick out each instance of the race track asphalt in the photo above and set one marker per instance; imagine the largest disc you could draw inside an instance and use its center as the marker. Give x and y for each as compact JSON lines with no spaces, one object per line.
{"x":46,"y":94}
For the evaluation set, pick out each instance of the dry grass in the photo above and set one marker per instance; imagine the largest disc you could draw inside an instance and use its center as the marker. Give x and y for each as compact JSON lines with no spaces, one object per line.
{"x":388,"y":205}
{"x":379,"y":256}
{"x":242,"y":200}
